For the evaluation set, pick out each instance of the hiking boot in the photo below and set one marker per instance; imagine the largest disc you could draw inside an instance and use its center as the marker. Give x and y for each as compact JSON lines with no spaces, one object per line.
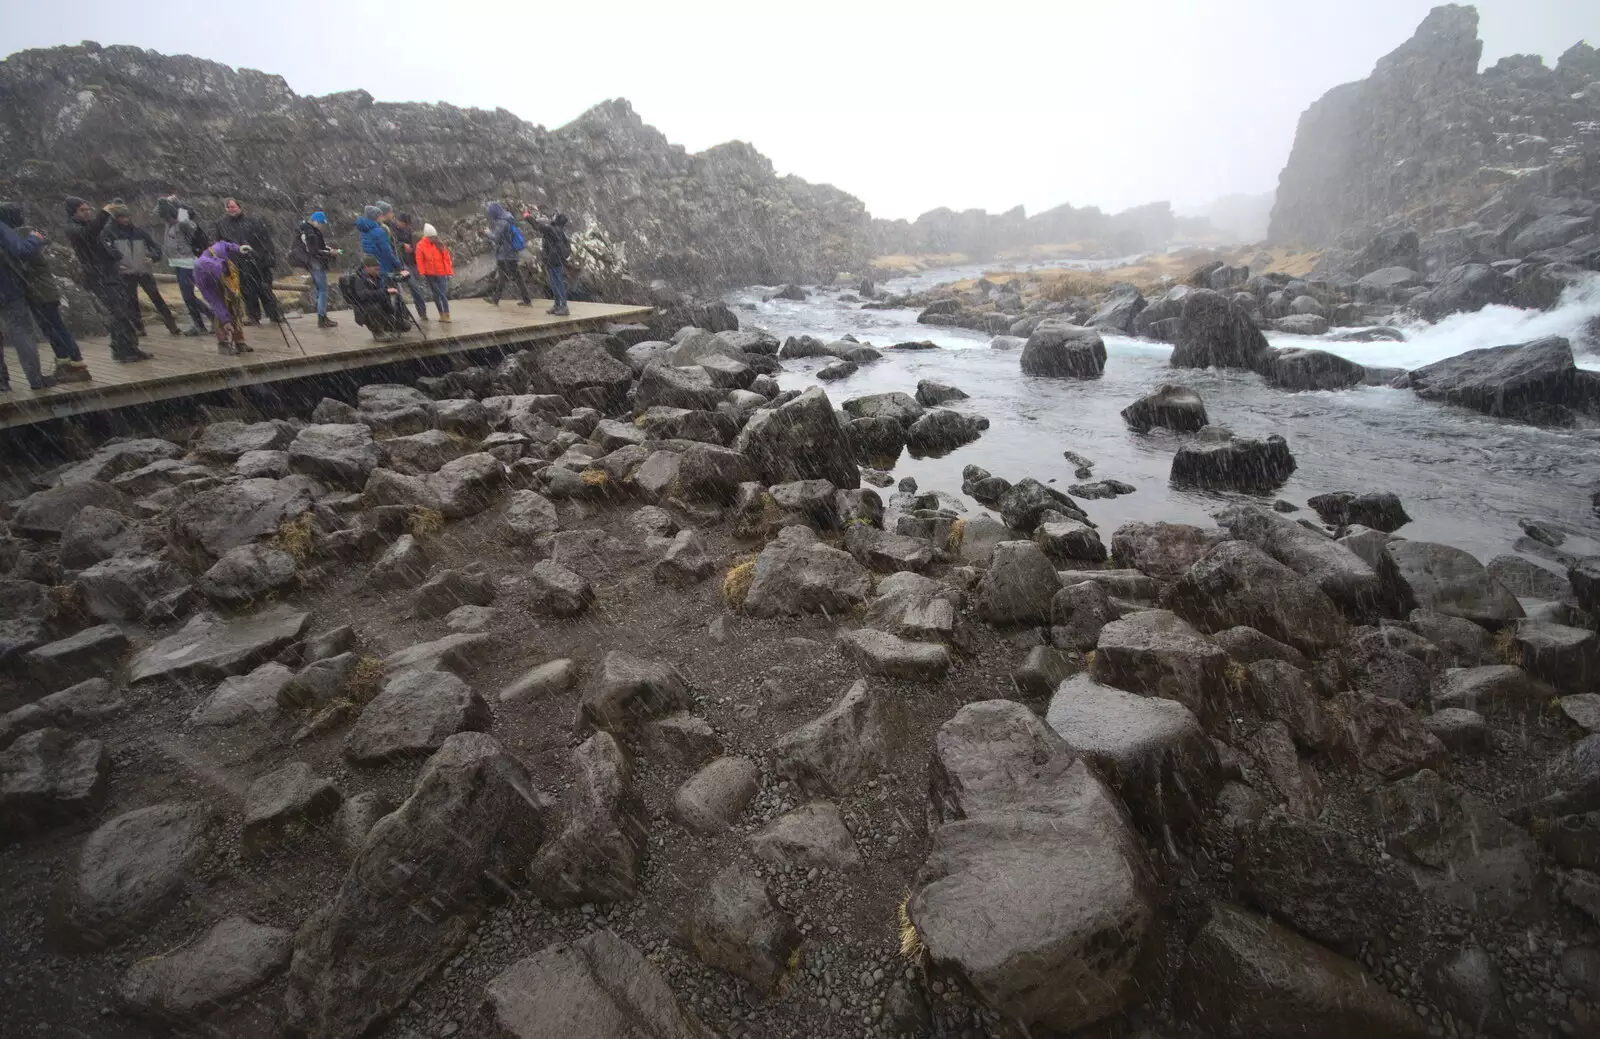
{"x":422,"y":315}
{"x":44,"y":383}
{"x":132,"y":356}
{"x":560,"y":311}
{"x":445,"y":317}
{"x":71,"y":371}
{"x":195,"y":331}
{"x":492,"y":302}
{"x":173,"y":329}
{"x":227,"y":350}
{"x":526,"y":303}
{"x":325,"y":322}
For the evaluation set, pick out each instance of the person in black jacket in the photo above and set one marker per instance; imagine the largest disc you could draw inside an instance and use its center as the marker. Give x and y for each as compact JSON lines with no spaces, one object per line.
{"x":39,"y":288}
{"x":375,"y":301}
{"x":318,"y":258}
{"x":255,"y":273}
{"x":138,"y":254}
{"x":555,"y":252}
{"x":102,"y":276}
{"x":405,"y":240}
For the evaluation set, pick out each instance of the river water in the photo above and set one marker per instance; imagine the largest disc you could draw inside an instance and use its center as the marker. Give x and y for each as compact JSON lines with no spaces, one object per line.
{"x":1466,"y":479}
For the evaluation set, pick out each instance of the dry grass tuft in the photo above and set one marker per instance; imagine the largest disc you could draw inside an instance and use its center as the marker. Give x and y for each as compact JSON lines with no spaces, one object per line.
{"x":1236,"y":674}
{"x":365,"y":678}
{"x":1072,"y":284}
{"x":958,"y":532}
{"x":1088,"y":661}
{"x":297,"y":537}
{"x":736,"y":583}
{"x":1505,"y":647}
{"x":911,"y":946}
{"x":595,"y":478}
{"x":425,"y":523}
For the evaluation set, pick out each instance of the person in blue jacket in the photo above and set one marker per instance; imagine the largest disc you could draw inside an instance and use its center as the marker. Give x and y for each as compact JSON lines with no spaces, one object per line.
{"x":502,"y":231}
{"x":16,"y":320}
{"x":375,"y":241}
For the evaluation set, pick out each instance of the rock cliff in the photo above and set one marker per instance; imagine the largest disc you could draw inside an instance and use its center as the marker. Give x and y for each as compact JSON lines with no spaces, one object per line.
{"x":981,"y":235}
{"x":120,"y":121}
{"x":1429,"y":141}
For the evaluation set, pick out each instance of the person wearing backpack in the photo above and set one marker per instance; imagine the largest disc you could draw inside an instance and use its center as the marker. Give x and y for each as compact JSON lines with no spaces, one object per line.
{"x":181,"y":242}
{"x":311,"y":252}
{"x":508,"y":246}
{"x":435,"y":268}
{"x":374,"y":300}
{"x":101,"y":275}
{"x":138,"y":253}
{"x":555,"y":252}
{"x":39,"y":288}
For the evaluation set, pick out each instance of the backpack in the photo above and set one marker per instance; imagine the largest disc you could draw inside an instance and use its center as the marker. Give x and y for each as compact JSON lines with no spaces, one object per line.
{"x":518,"y":243}
{"x":299,"y":255}
{"x":347,"y":289}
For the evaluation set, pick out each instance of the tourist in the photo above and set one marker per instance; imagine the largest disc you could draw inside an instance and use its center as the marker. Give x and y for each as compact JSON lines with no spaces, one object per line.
{"x":502,"y":231}
{"x":406,"y":249}
{"x":16,"y":321}
{"x":137,"y":253}
{"x":374,"y":300}
{"x":555,"y":252}
{"x":219,"y":275}
{"x":376,"y":241}
{"x":181,"y":242}
{"x":98,"y":264}
{"x":44,"y":301}
{"x":318,"y":257}
{"x":434,"y":266}
{"x":255,"y":271}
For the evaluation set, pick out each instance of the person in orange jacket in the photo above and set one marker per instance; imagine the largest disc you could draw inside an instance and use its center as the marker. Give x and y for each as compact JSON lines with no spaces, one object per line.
{"x":434,"y":266}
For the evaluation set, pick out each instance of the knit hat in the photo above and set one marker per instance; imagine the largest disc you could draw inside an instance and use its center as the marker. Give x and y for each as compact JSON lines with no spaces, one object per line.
{"x":372,"y":212}
{"x":11,"y":214}
{"x":404,"y":218}
{"x":560,"y":220}
{"x":384,"y":207}
{"x":71,"y":204}
{"x":319,"y":217}
{"x":369,"y":260}
{"x":117,"y":209}
{"x":428,"y":231}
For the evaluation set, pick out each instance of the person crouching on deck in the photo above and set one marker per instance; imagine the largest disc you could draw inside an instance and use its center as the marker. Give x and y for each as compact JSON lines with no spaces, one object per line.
{"x":216,"y":275}
{"x":435,"y":268}
{"x":375,"y":301}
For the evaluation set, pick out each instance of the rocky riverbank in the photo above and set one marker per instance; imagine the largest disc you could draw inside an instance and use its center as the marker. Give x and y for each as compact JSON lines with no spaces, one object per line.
{"x":598,"y":690}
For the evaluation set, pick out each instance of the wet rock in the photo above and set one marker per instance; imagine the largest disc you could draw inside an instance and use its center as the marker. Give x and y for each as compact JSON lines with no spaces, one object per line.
{"x":711,"y":474}
{"x":1342,"y":575}
{"x":530,"y":516}
{"x":880,"y":653}
{"x":392,"y":409}
{"x":886,"y":552}
{"x":243,"y":698}
{"x":1064,"y":351}
{"x":185,"y":987}
{"x":1322,"y":880}
{"x":1170,"y":406}
{"x":355,"y":819}
{"x":1366,"y":543}
{"x":130,"y":871}
{"x":1529,"y":580}
{"x":1494,"y":691}
{"x":943,"y":430}
{"x":1162,"y":550}
{"x":79,"y":707}
{"x":1458,"y":848}
{"x":800,"y":440}
{"x":1461,"y":642}
{"x":557,"y":590}
{"x":840,"y":748}
{"x":1300,"y":371}
{"x":319,"y":682}
{"x":207,"y":648}
{"x":1247,"y":977}
{"x":1584,"y":576}
{"x":1155,"y":653}
{"x":1236,"y":584}
{"x":248,"y":574}
{"x":422,"y":453}
{"x":212,"y":522}
{"x":1535,"y":381}
{"x":44,"y":515}
{"x":284,"y":803}
{"x":685,"y":562}
{"x":90,"y":653}
{"x":1376,"y":661}
{"x":1583,"y":710}
{"x":449,"y":589}
{"x":1379,"y":510}
{"x":1287,"y":694}
{"x":1382,"y":736}
{"x":599,"y":854}
{"x":97,"y":534}
{"x":812,"y":835}
{"x":467,"y":485}
{"x":577,"y":364}
{"x":1078,"y":613}
{"x":1461,"y":731}
{"x":458,"y":654}
{"x":713,"y":797}
{"x":1291,"y":780}
{"x":415,"y":890}
{"x":631,"y":689}
{"x":403,"y":565}
{"x":1467,"y":984}
{"x":1034,"y":894}
{"x":1066,"y":540}
{"x":414,"y":714}
{"x":918,"y":608}
{"x":1217,"y":460}
{"x":1567,"y":658}
{"x":1043,"y":669}
{"x":1150,"y":750}
{"x":738,"y":927}
{"x":1247,"y":645}
{"x":1019,"y":585}
{"x":343,"y":455}
{"x":797,"y":574}
{"x":49,"y":777}
{"x":682,"y":424}
{"x":1215,"y":332}
{"x":1023,"y":507}
{"x":387,"y":487}
{"x":933,"y":394}
{"x":900,"y":407}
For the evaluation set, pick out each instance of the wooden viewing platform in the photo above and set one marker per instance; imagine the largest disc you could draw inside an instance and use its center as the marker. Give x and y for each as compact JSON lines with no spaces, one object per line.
{"x":186,"y":365}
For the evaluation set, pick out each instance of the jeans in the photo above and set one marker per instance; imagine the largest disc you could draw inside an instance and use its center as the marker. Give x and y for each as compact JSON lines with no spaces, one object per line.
{"x":197,"y":310}
{"x":558,"y":285}
{"x":16,"y":326}
{"x":134,"y":283}
{"x":419,"y":293}
{"x":48,"y":317}
{"x":124,"y":335}
{"x":255,"y":286}
{"x":504,"y":270}
{"x":319,"y":281}
{"x":439,"y":287}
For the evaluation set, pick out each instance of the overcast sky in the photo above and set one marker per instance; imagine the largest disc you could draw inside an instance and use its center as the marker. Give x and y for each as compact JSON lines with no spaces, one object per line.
{"x":906,"y":105}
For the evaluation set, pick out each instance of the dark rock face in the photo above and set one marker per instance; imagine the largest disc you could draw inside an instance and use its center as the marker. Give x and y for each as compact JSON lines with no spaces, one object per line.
{"x":1222,"y":461}
{"x":1380,"y":510}
{"x":716,"y":218}
{"x":1535,"y":382}
{"x":1065,"y":351}
{"x":1427,"y":135}
{"x":1301,"y":370}
{"x":1171,"y":406}
{"x":1216,"y":332}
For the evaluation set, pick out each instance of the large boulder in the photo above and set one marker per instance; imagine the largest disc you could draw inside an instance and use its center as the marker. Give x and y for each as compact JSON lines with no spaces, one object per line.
{"x":1463,"y":289}
{"x":580,"y":363}
{"x":130,"y":871}
{"x":1119,"y":310}
{"x":900,"y":407}
{"x":1377,"y":510}
{"x":340,"y":454}
{"x":1216,"y":333}
{"x":1235,"y":584}
{"x":1536,"y":381}
{"x":44,"y":515}
{"x":1245,"y":977}
{"x":1447,"y":580}
{"x":208,"y":648}
{"x":1057,"y":349}
{"x":1170,"y":406}
{"x":1154,"y":653}
{"x":941,"y":430}
{"x":1341,"y":574}
{"x":599,"y":854}
{"x":1217,"y":460}
{"x":393,"y":410}
{"x":800,"y":440}
{"x":1303,"y":370}
{"x":48,"y":777}
{"x":837,"y":750}
{"x":214,"y":521}
{"x":415,"y":890}
{"x":414,"y":715}
{"x":248,"y":574}
{"x":1036,"y":892}
{"x":737,"y":926}
{"x":630,"y":689}
{"x":1162,"y":550}
{"x":1018,"y":586}
{"x":796,"y":573}
{"x":184,"y":987}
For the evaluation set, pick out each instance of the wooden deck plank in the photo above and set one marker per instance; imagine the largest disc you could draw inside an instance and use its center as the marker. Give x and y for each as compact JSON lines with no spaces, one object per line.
{"x":189,"y":365}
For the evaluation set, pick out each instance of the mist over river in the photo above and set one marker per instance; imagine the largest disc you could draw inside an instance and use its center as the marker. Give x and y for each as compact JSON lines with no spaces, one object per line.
{"x":1466,"y":479}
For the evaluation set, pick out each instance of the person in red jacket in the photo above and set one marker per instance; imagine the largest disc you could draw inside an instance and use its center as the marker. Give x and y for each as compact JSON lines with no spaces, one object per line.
{"x":434,"y":266}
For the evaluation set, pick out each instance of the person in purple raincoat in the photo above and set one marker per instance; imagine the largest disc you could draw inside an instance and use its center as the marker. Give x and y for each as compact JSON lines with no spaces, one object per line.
{"x":216,"y":276}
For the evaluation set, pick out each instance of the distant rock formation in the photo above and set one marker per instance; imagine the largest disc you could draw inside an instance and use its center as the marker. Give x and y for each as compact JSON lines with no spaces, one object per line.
{"x":1430,"y":142}
{"x":981,"y":235}
{"x":121,"y":121}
